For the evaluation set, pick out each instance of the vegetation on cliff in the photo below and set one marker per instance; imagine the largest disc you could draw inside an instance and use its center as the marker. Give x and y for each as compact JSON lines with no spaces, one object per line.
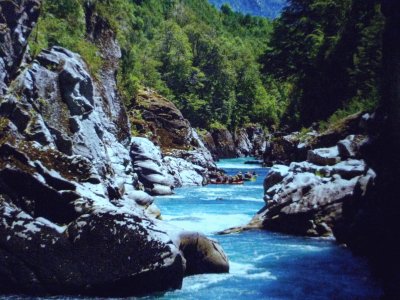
{"x":204,"y":60}
{"x":320,"y":58}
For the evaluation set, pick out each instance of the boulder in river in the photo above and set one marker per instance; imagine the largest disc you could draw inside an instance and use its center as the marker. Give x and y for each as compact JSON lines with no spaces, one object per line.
{"x":203,"y":255}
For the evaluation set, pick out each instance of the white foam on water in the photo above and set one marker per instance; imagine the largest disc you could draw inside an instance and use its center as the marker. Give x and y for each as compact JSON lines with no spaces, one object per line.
{"x":171,"y":197}
{"x":226,"y":165}
{"x":201,"y":282}
{"x":206,"y":222}
{"x":300,"y":247}
{"x":249,"y":271}
{"x":262,"y":275}
{"x":262,"y":257}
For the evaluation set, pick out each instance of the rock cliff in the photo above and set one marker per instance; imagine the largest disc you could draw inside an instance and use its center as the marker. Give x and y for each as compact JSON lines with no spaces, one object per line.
{"x":180,"y":151}
{"x":73,"y":217}
{"x":312,"y":197}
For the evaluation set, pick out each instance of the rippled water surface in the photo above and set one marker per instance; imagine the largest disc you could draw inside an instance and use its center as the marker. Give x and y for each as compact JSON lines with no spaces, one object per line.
{"x":264,"y":265}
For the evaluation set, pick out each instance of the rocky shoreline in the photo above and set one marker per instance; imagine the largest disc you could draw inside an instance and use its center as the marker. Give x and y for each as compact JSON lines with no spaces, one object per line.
{"x":311,"y":194}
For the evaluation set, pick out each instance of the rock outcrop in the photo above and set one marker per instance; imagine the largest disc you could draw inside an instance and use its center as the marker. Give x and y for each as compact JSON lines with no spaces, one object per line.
{"x":147,"y":162}
{"x":309,"y":198}
{"x":160,"y":120}
{"x":283,"y":148}
{"x":224,"y":143}
{"x":17,"y":19}
{"x":72,"y":217}
{"x":186,"y":157}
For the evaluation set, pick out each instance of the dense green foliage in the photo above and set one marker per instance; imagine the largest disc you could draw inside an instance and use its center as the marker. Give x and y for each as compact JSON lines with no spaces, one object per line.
{"x":204,"y":60}
{"x":321,"y":59}
{"x":262,"y":8}
{"x":62,"y":23}
{"x":331,"y":51}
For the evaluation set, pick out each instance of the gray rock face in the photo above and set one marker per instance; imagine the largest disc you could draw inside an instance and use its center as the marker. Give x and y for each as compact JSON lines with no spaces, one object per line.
{"x":285,"y":148}
{"x":200,"y":157}
{"x":99,"y":33}
{"x":308,"y":199}
{"x":61,"y":217}
{"x":225,"y":145}
{"x":257,"y":139}
{"x":17,"y":19}
{"x":324,"y":156}
{"x":147,"y":162}
{"x":244,"y":147}
{"x":350,"y":146}
{"x":184,"y":172}
{"x":208,"y":141}
{"x":72,"y":220}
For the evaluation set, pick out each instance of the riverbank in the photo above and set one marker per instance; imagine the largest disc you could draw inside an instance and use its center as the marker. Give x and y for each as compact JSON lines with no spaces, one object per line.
{"x":264,"y":265}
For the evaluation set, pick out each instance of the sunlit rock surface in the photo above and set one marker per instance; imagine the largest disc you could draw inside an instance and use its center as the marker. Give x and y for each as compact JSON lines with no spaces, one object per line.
{"x":73,"y":217}
{"x":311,"y":197}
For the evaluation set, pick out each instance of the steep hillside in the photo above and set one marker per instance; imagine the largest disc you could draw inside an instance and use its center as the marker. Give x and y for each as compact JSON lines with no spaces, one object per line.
{"x":262,"y":8}
{"x":203,"y":60}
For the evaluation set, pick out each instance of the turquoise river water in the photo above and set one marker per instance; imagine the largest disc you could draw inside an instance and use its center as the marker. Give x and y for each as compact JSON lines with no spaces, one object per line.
{"x":263,"y":265}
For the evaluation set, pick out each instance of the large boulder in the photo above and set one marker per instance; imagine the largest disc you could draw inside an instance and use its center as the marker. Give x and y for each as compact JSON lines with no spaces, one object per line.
{"x":311,"y":197}
{"x":324,"y":156}
{"x":306,"y":204}
{"x":103,"y":241}
{"x":184,"y":172}
{"x":203,"y":255}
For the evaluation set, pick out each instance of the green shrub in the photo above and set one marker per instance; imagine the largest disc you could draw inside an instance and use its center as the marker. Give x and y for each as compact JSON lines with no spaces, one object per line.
{"x":63,"y":24}
{"x":356,"y":105}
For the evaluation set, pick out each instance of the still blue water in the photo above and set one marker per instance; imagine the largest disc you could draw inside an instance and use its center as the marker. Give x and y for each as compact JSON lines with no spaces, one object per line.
{"x":263,"y":265}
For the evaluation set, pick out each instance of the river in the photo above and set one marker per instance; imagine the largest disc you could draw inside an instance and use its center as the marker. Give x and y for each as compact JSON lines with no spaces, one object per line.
{"x":263,"y":265}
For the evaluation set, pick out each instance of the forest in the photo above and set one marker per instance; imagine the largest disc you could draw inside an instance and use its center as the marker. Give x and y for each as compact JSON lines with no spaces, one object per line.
{"x":226,"y":69}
